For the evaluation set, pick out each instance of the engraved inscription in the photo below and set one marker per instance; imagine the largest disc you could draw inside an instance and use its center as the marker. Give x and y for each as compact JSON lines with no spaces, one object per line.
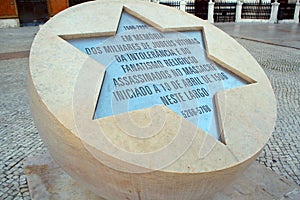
{"x":146,"y":67}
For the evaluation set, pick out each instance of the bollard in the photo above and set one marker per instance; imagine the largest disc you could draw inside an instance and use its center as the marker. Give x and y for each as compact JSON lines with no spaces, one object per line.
{"x":296,"y":13}
{"x":211,"y":11}
{"x":274,"y":12}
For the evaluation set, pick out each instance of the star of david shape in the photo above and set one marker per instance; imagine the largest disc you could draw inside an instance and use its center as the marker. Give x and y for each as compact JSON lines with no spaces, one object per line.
{"x":147,"y":67}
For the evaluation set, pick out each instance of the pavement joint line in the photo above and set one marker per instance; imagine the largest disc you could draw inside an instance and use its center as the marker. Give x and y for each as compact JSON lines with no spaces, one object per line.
{"x":265,"y":42}
{"x":14,"y":55}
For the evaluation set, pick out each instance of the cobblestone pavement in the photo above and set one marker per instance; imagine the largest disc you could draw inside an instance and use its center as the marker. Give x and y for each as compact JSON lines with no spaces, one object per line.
{"x":280,"y":34}
{"x":16,"y":39}
{"x":282,"y":66}
{"x":19,"y":137}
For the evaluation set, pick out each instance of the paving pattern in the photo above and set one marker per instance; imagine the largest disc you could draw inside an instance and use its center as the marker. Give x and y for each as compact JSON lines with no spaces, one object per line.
{"x":19,"y":138}
{"x":282,"y":66}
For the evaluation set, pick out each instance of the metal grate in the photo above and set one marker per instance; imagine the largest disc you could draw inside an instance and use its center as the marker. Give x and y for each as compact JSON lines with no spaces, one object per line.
{"x":175,"y":4}
{"x":256,"y":10}
{"x":224,"y":12}
{"x":190,"y":7}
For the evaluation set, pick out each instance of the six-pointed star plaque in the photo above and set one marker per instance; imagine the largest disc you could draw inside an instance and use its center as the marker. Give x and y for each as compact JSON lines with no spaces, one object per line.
{"x":131,"y":99}
{"x":145,"y":67}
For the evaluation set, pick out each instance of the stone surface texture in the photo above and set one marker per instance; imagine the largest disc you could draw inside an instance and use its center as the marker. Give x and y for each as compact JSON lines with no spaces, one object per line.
{"x":63,"y":86}
{"x":20,"y":139}
{"x":47,"y":180}
{"x":17,"y":39}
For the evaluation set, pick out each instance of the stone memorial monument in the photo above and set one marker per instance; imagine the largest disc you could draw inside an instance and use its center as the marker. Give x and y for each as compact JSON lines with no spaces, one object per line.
{"x":141,"y":101}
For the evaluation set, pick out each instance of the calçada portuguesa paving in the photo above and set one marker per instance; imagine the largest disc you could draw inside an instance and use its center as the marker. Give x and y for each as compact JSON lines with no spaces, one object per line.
{"x":277,"y":53}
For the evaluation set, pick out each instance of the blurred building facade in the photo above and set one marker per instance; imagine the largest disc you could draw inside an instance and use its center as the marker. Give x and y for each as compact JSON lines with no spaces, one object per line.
{"x":31,"y":12}
{"x":14,"y":13}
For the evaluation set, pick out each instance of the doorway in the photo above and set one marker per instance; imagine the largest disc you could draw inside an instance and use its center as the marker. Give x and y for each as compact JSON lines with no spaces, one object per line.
{"x":32,"y":12}
{"x":201,"y":9}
